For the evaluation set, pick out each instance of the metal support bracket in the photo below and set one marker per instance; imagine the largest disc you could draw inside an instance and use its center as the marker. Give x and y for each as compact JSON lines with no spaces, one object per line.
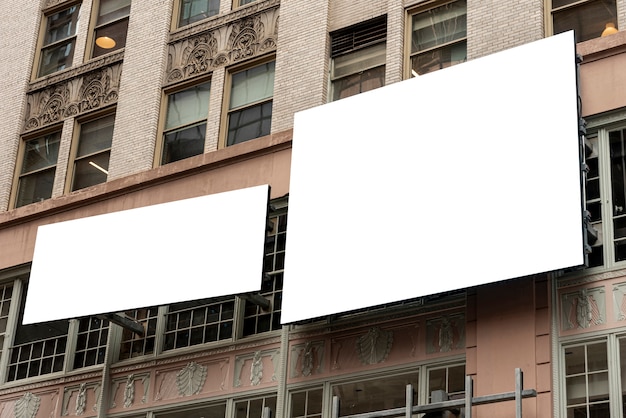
{"x":124,"y":322}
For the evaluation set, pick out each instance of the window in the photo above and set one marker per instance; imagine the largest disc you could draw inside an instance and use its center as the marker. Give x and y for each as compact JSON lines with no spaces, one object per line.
{"x":133,"y":345}
{"x":250,"y":106}
{"x":606,"y":182}
{"x":212,"y":411}
{"x":91,"y":164}
{"x":253,"y":408}
{"x":358,"y":58}
{"x":111,"y":26}
{"x":185,"y":123}
{"x":588,"y":18}
{"x":438,"y":37}
{"x":256,"y":319}
{"x":59,"y":41}
{"x":192,"y":11}
{"x":38,"y":167}
{"x":244,"y":2}
{"x":199,"y":322}
{"x":306,"y":404}
{"x":91,"y":342}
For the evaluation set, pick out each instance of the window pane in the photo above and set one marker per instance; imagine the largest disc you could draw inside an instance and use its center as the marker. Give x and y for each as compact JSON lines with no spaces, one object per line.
{"x":95,"y":136}
{"x":588,"y":20}
{"x":214,"y":411}
{"x":358,"y":61}
{"x":61,"y":25}
{"x":439,"y":58}
{"x":184,"y":143}
{"x":374,"y":395}
{"x":56,"y":58}
{"x":41,"y":152}
{"x":111,"y":10}
{"x":116,"y":32}
{"x":252,"y":85}
{"x":188,"y":106}
{"x":91,"y":171}
{"x":439,"y":26}
{"x":194,"y":10}
{"x":358,"y":83}
{"x":252,"y":122}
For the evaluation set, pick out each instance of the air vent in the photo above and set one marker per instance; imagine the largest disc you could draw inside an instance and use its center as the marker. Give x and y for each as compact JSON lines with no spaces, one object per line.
{"x":358,"y":36}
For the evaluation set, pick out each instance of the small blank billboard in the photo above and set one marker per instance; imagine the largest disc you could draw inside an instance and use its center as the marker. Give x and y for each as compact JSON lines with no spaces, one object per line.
{"x":184,"y":250}
{"x":461,"y":177}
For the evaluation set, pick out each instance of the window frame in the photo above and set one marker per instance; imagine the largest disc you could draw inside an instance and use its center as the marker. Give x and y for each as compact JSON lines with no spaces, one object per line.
{"x":18,"y":175}
{"x":42,"y":45}
{"x":74,"y":157}
{"x":243,"y":3}
{"x":576,"y":4}
{"x":164,"y":130}
{"x":226,"y":110}
{"x":95,"y":14}
{"x":425,"y":8}
{"x":177,"y":13}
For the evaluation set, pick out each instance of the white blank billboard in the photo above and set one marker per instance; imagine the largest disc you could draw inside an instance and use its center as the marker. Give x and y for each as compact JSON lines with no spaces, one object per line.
{"x":184,"y":250}
{"x":461,"y":177}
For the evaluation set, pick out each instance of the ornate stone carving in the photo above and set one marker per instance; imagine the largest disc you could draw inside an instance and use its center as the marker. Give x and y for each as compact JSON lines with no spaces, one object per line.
{"x":445,"y":334}
{"x":249,"y":36}
{"x":256,"y":370}
{"x":129,"y":391}
{"x":81,"y":399}
{"x":73,"y":97}
{"x":619,"y":301}
{"x":27,"y":406}
{"x":583,"y":309}
{"x":190,"y":380}
{"x":374,"y":347}
{"x":306,"y":359}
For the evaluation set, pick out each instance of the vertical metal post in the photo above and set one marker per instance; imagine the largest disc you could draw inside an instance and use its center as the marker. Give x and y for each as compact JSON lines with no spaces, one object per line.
{"x":408,"y":410}
{"x":469,"y":394}
{"x":267,"y":412}
{"x":519,"y":386}
{"x":335,"y":407}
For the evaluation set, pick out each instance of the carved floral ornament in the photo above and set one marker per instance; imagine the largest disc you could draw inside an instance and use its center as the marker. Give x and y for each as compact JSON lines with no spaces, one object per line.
{"x":248,"y":37}
{"x":73,"y":97}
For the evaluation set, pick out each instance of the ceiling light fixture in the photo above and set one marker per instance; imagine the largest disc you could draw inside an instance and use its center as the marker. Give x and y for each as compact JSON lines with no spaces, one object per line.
{"x":91,"y":163}
{"x":609,"y":29}
{"x":105,"y":42}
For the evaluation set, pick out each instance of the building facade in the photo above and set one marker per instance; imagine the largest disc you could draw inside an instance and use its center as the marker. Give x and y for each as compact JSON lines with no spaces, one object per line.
{"x":112,"y":105}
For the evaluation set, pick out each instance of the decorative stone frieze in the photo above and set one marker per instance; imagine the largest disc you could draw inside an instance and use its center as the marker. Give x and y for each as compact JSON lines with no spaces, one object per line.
{"x":79,"y":397}
{"x":27,"y":406}
{"x":374,"y":347}
{"x":583,"y":309}
{"x":190,"y":379}
{"x":445,"y":334}
{"x":79,"y":95}
{"x":248,"y":37}
{"x":252,"y":367}
{"x":306,"y":359}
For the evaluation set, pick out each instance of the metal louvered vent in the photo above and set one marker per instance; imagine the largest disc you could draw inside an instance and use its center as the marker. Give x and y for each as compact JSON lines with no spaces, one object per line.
{"x":358,"y":36}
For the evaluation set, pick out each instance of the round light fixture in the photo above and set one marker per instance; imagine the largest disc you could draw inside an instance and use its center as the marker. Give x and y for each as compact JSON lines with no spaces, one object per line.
{"x":105,"y":42}
{"x":609,"y":29}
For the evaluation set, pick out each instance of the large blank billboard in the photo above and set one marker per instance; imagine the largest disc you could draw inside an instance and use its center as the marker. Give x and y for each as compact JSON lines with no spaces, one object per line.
{"x":184,"y":250}
{"x":461,"y":177}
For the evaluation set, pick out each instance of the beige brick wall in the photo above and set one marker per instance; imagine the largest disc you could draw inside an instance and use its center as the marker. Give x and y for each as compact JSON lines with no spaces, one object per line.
{"x":301,"y":60}
{"x":18,"y":39}
{"x":345,"y":13}
{"x":145,"y":57}
{"x":494,"y":25}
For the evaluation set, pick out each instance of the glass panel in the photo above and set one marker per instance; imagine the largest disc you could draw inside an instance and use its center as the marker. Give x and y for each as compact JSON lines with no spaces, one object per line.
{"x":252,"y":85}
{"x":95,"y":136}
{"x":194,"y":10}
{"x":597,"y":357}
{"x":574,"y":360}
{"x":188,"y":106}
{"x":61,"y":25}
{"x":35,"y":187}
{"x":439,"y":58}
{"x":358,"y":61}
{"x":576,"y":390}
{"x":242,"y":2}
{"x":599,"y":387}
{"x":91,"y":171}
{"x":358,"y":83}
{"x":252,"y":122}
{"x":184,"y":143}
{"x":439,"y":26}
{"x":213,"y":411}
{"x":111,"y":10}
{"x":374,"y":395}
{"x":115,"y":33}
{"x":56,"y":58}
{"x":41,"y":152}
{"x":588,"y":20}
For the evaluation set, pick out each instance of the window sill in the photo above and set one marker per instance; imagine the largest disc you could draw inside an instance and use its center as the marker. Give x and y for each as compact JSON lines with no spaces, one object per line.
{"x":599,"y":48}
